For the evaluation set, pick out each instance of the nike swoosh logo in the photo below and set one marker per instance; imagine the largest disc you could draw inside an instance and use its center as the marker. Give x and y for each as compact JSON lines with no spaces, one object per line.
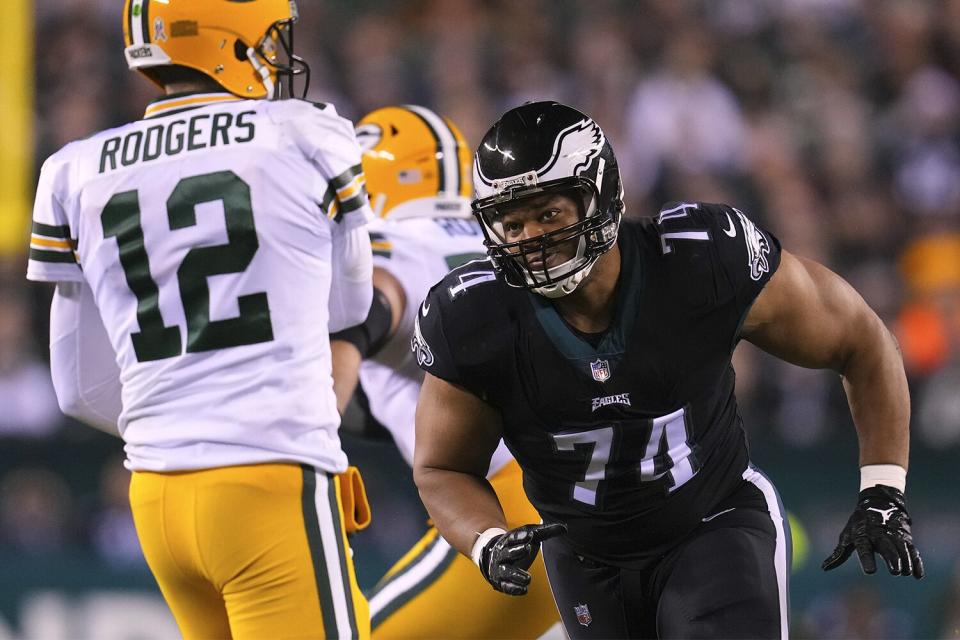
{"x":732,"y":231}
{"x":719,"y":513}
{"x":884,"y":513}
{"x":424,"y":309}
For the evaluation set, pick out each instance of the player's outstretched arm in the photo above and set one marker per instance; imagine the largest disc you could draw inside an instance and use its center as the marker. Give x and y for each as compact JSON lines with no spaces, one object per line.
{"x":810,"y":316}
{"x":456,"y":436}
{"x":457,"y":433}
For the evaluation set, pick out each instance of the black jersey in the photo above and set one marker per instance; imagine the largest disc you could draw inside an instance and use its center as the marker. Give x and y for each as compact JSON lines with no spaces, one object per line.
{"x":633,"y":436}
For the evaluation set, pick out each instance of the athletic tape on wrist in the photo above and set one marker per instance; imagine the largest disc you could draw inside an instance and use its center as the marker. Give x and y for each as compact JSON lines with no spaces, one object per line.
{"x":892,"y":475}
{"x":482,"y":540}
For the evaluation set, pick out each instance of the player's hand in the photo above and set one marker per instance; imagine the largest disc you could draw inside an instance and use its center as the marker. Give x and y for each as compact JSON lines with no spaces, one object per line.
{"x":506,"y":558}
{"x":880,"y":524}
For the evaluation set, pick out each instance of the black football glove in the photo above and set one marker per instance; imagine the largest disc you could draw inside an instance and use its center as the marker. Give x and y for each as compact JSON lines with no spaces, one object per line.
{"x":506,"y":558}
{"x":880,"y":524}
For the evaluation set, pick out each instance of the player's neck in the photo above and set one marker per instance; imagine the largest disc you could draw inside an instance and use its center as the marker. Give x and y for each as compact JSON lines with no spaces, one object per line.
{"x":192,"y":86}
{"x":590,"y":308}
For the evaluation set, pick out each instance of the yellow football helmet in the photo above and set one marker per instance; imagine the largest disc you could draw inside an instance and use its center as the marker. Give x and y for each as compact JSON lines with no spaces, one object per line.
{"x":235,"y":42}
{"x":416,"y":163}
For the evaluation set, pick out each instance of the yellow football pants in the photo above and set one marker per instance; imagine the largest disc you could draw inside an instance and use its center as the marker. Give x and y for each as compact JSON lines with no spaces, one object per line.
{"x":256,"y":551}
{"x":435,"y":592}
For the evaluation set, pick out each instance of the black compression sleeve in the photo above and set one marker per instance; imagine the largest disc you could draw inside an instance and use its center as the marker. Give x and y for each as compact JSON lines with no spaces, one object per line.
{"x":370,"y":336}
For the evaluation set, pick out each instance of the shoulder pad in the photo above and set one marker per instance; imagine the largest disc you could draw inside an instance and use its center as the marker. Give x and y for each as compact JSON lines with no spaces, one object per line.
{"x":744,"y":254}
{"x":296,"y":109}
{"x":460,"y":322}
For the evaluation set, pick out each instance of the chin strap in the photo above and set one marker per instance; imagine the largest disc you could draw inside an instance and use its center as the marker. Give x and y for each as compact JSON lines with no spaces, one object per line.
{"x":262,"y":70}
{"x":566,"y":286}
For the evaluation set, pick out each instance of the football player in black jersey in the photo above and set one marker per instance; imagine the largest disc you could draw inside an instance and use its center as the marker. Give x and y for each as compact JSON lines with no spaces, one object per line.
{"x":600,"y":352}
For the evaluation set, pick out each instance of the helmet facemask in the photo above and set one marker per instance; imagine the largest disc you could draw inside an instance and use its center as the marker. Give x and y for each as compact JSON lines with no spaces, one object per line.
{"x":266,"y":57}
{"x":525,"y":263}
{"x":546,"y":149}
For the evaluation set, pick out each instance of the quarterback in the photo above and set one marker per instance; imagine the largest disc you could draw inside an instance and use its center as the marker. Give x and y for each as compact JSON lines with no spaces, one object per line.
{"x":201,"y":256}
{"x":418,"y":171}
{"x":599,"y":350}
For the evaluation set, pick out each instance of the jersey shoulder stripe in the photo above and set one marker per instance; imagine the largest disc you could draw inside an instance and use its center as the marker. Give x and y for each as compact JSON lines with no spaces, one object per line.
{"x":381,"y":245}
{"x":346,"y":192}
{"x":41,"y":255}
{"x":52,"y":243}
{"x":329,"y":140}
{"x":52,"y":231}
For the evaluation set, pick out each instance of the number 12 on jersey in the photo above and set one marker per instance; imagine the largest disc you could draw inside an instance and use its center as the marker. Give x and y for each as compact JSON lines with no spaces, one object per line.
{"x":667,"y":452}
{"x":155,"y":340}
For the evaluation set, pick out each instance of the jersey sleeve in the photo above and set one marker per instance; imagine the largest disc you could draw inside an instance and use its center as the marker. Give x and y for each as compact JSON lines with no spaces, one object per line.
{"x":748,"y":255}
{"x":331,"y":144}
{"x":429,"y":342}
{"x":53,"y":246}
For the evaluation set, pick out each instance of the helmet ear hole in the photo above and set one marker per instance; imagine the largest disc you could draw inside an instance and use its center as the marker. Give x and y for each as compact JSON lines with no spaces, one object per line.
{"x":240,"y":50}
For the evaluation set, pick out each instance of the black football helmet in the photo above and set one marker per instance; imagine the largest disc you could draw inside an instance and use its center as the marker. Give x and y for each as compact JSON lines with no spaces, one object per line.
{"x":538,"y":149}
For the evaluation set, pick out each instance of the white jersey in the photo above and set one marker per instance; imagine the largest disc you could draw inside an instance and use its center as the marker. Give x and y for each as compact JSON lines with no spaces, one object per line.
{"x":418,"y":252}
{"x":205,"y":232}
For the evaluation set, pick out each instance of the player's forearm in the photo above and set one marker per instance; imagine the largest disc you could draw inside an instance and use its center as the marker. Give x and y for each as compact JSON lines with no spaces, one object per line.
{"x":346,"y":371}
{"x":877,"y":393}
{"x":351,"y":288}
{"x":84,"y":371}
{"x":460,"y":504}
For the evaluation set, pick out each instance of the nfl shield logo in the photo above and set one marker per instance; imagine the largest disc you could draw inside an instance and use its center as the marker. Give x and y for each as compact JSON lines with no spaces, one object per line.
{"x":583,"y":614}
{"x":600,"y":370}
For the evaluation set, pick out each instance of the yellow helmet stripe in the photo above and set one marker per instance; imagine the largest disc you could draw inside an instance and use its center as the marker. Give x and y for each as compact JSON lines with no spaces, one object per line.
{"x":448,"y":161}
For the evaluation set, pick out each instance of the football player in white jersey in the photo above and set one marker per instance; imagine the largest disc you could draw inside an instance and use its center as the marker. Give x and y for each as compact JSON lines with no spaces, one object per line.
{"x":219,"y":240}
{"x":418,"y":176}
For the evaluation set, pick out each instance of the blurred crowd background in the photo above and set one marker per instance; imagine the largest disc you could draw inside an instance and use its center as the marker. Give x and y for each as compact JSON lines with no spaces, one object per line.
{"x":834,"y":123}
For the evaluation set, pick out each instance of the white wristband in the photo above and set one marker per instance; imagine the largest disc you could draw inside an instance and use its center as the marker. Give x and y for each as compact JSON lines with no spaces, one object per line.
{"x":482,"y":540}
{"x":892,"y":475}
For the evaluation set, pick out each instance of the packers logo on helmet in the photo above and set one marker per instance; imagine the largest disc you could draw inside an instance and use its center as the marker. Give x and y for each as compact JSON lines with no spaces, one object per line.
{"x":416,"y":162}
{"x":237,"y":43}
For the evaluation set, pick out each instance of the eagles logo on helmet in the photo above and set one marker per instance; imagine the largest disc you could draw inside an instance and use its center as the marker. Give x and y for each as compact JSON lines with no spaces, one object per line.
{"x":416,"y":162}
{"x":545,"y":148}
{"x":237,"y":43}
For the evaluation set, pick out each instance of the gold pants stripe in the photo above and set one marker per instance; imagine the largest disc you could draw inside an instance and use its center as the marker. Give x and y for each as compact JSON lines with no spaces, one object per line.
{"x":421,"y":568}
{"x":325,"y":537}
{"x":434,"y":592}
